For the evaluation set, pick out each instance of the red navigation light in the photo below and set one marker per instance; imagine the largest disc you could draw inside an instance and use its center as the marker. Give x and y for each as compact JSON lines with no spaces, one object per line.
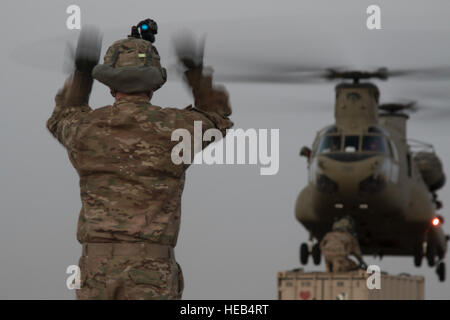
{"x":435,"y":222}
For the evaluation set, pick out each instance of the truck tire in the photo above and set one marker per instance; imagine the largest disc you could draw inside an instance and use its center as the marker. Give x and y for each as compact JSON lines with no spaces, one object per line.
{"x":304,"y":253}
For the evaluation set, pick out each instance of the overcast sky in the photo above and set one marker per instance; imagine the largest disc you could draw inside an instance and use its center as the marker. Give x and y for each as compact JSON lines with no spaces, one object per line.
{"x":238,"y":228}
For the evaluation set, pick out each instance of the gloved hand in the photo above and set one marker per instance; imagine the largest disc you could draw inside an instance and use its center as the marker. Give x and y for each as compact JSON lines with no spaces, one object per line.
{"x":88,"y":50}
{"x":86,"y":58}
{"x":189,"y":52}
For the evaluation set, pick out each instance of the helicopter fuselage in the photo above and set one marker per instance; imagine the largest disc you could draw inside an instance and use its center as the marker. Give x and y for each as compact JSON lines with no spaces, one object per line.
{"x":362,"y":166}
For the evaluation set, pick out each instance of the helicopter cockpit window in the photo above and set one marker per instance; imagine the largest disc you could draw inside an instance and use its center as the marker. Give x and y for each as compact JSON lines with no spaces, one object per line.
{"x":351,"y":143}
{"x":329,"y":144}
{"x":374,"y":144}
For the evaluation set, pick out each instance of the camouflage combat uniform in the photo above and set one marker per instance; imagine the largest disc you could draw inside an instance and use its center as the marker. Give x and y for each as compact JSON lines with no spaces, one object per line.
{"x":336,"y":246}
{"x":130,"y":188}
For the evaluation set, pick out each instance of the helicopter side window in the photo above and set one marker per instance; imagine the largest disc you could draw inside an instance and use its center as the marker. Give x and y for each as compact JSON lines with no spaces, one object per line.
{"x":374,"y":144}
{"x":330,"y":144}
{"x":351,"y":143}
{"x":393,"y":150}
{"x":408,"y":161}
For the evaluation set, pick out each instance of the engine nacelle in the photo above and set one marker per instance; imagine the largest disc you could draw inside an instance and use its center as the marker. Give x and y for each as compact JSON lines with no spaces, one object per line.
{"x":431,"y":169}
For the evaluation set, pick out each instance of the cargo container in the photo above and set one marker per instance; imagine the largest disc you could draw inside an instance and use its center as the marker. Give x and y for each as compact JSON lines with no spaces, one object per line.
{"x":300,"y":285}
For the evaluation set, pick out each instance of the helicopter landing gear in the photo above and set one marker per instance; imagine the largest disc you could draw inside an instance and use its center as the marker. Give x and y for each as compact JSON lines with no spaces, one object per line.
{"x":310,"y":249}
{"x":431,"y":255}
{"x":440,"y":270}
{"x":418,"y":256}
{"x":304,"y":253}
{"x":429,"y":251}
{"x":316,"y":255}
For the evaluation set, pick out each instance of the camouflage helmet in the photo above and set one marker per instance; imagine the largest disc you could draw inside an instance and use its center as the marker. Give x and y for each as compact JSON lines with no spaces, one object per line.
{"x":131,"y":65}
{"x":345,"y":224}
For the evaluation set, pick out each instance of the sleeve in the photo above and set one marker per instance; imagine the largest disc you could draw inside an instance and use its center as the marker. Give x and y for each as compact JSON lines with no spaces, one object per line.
{"x":70,"y":107}
{"x":324,"y":241}
{"x":211,"y":101}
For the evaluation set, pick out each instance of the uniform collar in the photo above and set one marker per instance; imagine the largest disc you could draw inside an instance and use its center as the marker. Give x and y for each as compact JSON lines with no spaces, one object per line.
{"x":135,"y":99}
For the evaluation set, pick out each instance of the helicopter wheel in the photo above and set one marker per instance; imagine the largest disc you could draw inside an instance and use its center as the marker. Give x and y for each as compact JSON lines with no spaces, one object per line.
{"x":316,"y":254}
{"x":304,"y":254}
{"x":440,"y":270}
{"x":431,"y":255}
{"x":418,"y":256}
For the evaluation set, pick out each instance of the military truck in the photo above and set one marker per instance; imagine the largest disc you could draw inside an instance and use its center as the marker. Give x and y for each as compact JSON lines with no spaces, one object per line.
{"x":353,"y":285}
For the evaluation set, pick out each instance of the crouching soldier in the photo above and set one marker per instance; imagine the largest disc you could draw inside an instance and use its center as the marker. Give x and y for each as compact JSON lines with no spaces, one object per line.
{"x":338,"y":245}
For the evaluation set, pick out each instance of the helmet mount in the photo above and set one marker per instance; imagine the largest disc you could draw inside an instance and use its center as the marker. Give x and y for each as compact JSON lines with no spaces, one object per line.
{"x":146,"y":29}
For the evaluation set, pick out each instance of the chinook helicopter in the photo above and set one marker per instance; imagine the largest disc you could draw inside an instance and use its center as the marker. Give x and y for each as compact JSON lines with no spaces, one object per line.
{"x":364,"y":166}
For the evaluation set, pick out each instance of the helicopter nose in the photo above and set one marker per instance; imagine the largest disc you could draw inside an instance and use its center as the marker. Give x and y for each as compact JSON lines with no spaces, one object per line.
{"x":364,"y":182}
{"x":372,"y":184}
{"x":356,"y":178}
{"x":326,"y":185}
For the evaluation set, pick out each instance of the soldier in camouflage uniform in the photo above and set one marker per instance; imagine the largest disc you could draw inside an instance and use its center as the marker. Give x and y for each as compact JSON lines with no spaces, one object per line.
{"x":130,"y":188}
{"x":338,"y":244}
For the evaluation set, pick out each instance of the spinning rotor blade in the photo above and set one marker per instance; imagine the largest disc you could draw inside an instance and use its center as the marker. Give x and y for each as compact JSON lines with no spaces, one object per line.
{"x":314,"y":75}
{"x":429,"y":109}
{"x":270,"y":78}
{"x":434,"y":73}
{"x":394,"y":107}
